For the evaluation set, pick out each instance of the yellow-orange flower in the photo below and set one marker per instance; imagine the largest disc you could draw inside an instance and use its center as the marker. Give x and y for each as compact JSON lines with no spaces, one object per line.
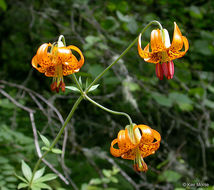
{"x":146,"y":142}
{"x":57,"y":61}
{"x":162,"y":52}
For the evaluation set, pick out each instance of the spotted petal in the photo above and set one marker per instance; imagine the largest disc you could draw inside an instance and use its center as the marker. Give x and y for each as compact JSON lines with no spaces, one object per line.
{"x":156,"y":41}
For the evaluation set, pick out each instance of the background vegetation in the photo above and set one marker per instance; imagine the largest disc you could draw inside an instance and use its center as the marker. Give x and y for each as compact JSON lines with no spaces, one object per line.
{"x":181,"y":109}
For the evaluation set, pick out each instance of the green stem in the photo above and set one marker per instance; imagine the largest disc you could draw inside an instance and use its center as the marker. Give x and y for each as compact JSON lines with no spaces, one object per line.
{"x":77,"y":83}
{"x":124,"y":52}
{"x":108,"y":110}
{"x":57,"y":137}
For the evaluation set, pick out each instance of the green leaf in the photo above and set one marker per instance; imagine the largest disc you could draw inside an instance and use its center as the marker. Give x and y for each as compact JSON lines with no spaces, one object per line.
{"x":41,"y":185}
{"x":162,"y":99}
{"x":209,"y":103}
{"x":110,"y":24}
{"x":3,"y":5}
{"x":162,"y":164}
{"x":45,"y":148}
{"x":123,"y":18}
{"x":115,"y":170}
{"x":39,"y":173}
{"x":47,"y":177}
{"x":45,"y":140}
{"x":36,"y":188}
{"x":180,"y":98}
{"x":195,"y":12}
{"x":80,"y":81}
{"x":94,"y":87}
{"x":183,"y":101}
{"x":169,"y":176}
{"x":105,"y":180}
{"x":210,"y":88}
{"x":56,"y":151}
{"x":26,"y":171}
{"x":73,"y":88}
{"x":95,"y":181}
{"x":107,"y":173}
{"x":198,"y":92}
{"x":132,"y":26}
{"x":22,"y":185}
{"x":202,"y":46}
{"x":132,"y":86}
{"x":212,"y":125}
{"x":114,"y":179}
{"x":185,"y":107}
{"x":21,"y":178}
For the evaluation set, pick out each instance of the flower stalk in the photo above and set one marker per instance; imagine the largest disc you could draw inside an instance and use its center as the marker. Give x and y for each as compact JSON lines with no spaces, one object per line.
{"x":42,"y":68}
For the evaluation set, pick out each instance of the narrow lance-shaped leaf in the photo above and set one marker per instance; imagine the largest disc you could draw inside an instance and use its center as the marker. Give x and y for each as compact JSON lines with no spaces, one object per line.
{"x":45,"y":140}
{"x":41,"y":185}
{"x":56,"y":151}
{"x":21,"y":178}
{"x":26,"y":171}
{"x":47,"y":177}
{"x":22,"y":185}
{"x":39,"y":173}
{"x":94,"y":87}
{"x":80,"y":81}
{"x":73,"y":88}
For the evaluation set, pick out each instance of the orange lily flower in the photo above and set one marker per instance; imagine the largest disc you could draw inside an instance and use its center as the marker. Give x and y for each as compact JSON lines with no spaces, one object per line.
{"x":57,"y":62}
{"x":162,"y":52}
{"x":146,"y":142}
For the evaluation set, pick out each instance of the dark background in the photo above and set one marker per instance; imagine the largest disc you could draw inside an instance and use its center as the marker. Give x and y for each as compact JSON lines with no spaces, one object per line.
{"x":181,"y":109}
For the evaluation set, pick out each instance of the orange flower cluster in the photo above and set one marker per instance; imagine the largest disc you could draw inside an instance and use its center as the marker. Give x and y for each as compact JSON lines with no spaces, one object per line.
{"x":162,"y":52}
{"x":57,"y":62}
{"x":146,"y":142}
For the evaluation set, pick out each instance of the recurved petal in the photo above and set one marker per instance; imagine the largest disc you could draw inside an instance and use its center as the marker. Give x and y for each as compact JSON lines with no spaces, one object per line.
{"x":156,"y":41}
{"x":146,"y":133}
{"x":43,"y":50}
{"x":81,"y":61}
{"x":148,"y":149}
{"x":71,"y":67}
{"x":145,"y":54}
{"x":175,"y":54}
{"x":35,"y":64}
{"x":177,"y":42}
{"x":115,"y":152}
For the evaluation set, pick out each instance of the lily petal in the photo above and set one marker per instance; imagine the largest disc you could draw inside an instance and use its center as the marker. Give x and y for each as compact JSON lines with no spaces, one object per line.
{"x":166,"y":38}
{"x":81,"y":61}
{"x":115,"y":152}
{"x":156,"y":41}
{"x":177,"y":42}
{"x":129,"y":155}
{"x":143,"y":53}
{"x":174,"y":54}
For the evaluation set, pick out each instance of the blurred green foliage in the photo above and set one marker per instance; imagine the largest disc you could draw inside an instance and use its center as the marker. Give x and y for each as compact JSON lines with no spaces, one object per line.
{"x":181,"y":109}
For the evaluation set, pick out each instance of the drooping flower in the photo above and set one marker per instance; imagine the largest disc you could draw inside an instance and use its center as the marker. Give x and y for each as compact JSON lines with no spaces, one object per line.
{"x":146,"y":141}
{"x":162,"y":52}
{"x":55,"y":60}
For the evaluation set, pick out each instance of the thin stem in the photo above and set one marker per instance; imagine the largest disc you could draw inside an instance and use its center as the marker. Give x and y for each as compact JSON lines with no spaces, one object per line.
{"x":57,"y":137}
{"x":78,"y":84}
{"x":108,"y":110}
{"x":124,"y":52}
